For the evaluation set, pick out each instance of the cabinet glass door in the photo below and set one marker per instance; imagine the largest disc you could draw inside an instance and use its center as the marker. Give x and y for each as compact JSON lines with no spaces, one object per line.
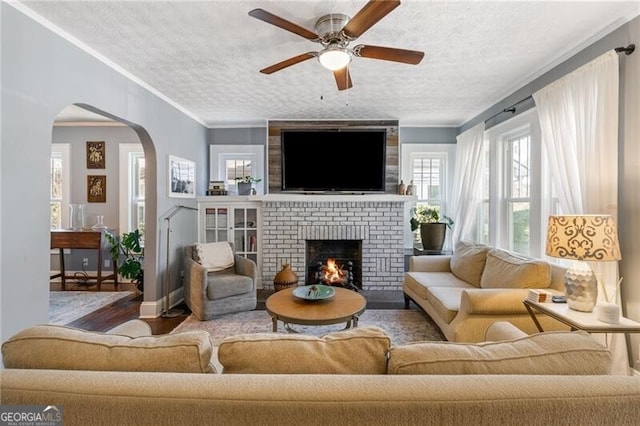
{"x":216,"y":224}
{"x":245,"y":232}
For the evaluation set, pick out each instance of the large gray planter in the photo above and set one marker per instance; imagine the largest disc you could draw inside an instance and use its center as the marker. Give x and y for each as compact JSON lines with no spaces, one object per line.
{"x":433,"y":235}
{"x":244,"y":188}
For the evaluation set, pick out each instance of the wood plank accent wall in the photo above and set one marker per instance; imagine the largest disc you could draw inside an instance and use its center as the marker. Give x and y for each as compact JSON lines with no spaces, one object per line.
{"x":392,"y":171}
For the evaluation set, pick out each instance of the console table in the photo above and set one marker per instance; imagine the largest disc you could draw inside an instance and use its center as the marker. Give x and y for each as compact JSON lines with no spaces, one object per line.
{"x":85,"y":239}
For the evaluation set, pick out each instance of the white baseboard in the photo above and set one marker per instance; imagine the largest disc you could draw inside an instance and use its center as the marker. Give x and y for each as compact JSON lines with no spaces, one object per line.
{"x":153,"y":309}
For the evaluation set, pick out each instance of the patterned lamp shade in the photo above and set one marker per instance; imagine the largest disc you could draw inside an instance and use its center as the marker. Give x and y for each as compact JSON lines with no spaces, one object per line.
{"x":582,"y":238}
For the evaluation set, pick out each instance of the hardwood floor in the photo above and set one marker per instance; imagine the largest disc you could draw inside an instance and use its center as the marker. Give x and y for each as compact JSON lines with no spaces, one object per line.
{"x":121,"y":311}
{"x":129,"y":308}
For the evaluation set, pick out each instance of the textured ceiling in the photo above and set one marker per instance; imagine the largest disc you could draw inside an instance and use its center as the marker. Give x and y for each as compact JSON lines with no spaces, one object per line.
{"x":205,"y":56}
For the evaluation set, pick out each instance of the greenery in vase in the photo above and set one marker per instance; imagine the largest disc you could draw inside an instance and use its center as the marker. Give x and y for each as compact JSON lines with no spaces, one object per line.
{"x":248,"y":179}
{"x":127,"y":250}
{"x":428,"y":214}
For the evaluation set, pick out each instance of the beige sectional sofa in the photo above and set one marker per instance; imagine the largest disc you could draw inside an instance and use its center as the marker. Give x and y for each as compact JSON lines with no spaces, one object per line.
{"x":353,"y":377}
{"x":466,"y":292}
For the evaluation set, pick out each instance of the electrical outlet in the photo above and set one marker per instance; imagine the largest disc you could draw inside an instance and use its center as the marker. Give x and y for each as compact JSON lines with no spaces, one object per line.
{"x":85,"y":262}
{"x":107,"y":263}
{"x":181,"y":275}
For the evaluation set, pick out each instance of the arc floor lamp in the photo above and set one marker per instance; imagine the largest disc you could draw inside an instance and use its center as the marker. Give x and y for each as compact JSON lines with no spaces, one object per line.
{"x":168,"y":312}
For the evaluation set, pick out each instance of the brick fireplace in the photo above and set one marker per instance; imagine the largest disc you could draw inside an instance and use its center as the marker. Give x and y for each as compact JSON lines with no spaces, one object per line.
{"x":377,"y":226}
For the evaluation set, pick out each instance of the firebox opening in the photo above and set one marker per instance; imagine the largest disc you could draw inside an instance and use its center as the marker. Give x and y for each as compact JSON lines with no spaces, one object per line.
{"x":334,"y":262}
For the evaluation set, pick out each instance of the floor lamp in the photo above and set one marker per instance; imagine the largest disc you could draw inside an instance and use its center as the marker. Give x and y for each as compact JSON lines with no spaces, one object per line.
{"x":168,"y":312}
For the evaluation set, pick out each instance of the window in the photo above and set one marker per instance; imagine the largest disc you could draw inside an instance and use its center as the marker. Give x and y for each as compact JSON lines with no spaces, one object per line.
{"x":227,"y":162}
{"x":132,"y":188}
{"x":517,"y":200}
{"x":428,"y":175}
{"x":482,"y":219}
{"x":237,"y":168}
{"x":59,"y":186}
{"x":137,"y":165}
{"x":510,"y":212}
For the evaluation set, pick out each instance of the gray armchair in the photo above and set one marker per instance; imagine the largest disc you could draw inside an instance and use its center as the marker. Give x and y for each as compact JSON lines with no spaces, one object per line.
{"x":211,"y":294}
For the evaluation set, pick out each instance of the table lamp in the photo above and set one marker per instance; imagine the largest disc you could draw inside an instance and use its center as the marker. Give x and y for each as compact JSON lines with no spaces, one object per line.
{"x":582,"y":238}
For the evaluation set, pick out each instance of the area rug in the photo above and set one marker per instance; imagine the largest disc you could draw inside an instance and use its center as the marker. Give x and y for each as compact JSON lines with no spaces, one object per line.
{"x":402,"y":325}
{"x":68,"y":306}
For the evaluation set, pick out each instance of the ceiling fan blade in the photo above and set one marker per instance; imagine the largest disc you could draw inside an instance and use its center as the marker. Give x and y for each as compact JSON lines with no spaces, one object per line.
{"x":272,"y":19}
{"x":288,"y":62}
{"x":343,"y":78}
{"x":412,"y":57}
{"x":367,"y":17}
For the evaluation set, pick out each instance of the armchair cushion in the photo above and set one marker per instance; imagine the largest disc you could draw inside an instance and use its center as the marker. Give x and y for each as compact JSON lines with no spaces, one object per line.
{"x":215,"y":256}
{"x":225,"y":285}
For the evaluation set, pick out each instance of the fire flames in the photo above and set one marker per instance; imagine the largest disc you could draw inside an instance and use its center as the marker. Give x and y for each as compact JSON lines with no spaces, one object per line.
{"x":332,"y":273}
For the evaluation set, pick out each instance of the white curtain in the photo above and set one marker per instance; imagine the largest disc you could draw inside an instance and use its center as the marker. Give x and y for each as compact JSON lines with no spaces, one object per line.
{"x":466,"y":182}
{"x":579,"y":125}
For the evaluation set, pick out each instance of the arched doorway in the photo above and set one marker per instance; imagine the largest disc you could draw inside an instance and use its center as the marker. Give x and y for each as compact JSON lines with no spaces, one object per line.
{"x":128,"y":165}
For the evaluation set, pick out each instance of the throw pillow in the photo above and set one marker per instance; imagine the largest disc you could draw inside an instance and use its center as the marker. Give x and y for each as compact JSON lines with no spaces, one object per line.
{"x":65,"y":348}
{"x":554,"y":352}
{"x":468,"y":260}
{"x":510,"y":270}
{"x":215,"y":256}
{"x":360,"y":350}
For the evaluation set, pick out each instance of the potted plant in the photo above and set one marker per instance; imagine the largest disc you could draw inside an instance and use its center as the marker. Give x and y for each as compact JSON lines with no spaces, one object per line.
{"x":433,"y":228}
{"x":245,"y":184}
{"x":127,"y":250}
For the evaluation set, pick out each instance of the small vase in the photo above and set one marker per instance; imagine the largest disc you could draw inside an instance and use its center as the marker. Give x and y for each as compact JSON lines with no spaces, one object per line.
{"x":76,"y":217}
{"x":285,"y":278}
{"x":401,"y":188}
{"x":410,"y":189}
{"x":99,"y":223}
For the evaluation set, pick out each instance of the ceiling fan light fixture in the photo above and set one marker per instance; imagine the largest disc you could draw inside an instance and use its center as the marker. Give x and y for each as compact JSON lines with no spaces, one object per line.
{"x":334,"y":58}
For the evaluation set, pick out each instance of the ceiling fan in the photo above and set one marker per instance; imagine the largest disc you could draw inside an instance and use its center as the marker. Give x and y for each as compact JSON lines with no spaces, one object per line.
{"x":334,"y":32}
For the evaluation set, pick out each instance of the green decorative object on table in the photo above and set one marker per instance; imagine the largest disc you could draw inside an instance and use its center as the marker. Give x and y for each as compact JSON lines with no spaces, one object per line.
{"x":314,"y":292}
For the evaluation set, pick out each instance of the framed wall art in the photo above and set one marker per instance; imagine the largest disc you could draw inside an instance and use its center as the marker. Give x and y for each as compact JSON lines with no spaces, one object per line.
{"x":97,"y":189}
{"x":95,"y":155}
{"x":182,"y":178}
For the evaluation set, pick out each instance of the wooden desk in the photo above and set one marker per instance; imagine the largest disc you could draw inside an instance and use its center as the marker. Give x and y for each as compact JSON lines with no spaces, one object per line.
{"x":86,"y":239}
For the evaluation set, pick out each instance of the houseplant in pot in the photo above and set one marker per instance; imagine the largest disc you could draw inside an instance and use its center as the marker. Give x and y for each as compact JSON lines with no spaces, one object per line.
{"x":127,"y":250}
{"x":433,"y":228}
{"x":245,"y":184}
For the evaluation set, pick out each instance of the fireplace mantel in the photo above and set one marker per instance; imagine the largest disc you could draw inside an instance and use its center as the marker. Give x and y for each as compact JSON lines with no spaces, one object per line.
{"x":311,"y":198}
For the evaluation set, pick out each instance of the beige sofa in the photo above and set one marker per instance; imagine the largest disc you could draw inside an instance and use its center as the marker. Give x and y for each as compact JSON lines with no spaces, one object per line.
{"x":466,"y":292}
{"x":548,"y":378}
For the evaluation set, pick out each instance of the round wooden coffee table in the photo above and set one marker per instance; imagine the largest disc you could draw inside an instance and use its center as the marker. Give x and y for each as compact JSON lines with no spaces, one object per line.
{"x":345,"y":306}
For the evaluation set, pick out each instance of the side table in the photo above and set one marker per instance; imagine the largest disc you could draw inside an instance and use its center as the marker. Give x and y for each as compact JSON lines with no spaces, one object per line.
{"x":586,"y":321}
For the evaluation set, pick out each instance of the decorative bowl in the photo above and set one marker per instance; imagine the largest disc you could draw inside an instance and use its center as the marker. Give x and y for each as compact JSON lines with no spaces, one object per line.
{"x":314,"y":292}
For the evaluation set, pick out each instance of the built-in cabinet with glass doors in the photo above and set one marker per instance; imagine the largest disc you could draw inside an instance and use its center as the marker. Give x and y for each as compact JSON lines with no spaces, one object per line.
{"x":235,"y":221}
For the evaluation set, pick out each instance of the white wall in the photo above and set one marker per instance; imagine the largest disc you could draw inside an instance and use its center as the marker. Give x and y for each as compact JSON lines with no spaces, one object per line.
{"x":41,"y":73}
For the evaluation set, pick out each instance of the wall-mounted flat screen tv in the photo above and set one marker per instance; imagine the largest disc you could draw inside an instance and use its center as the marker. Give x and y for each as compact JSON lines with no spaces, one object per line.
{"x":336,"y":160}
